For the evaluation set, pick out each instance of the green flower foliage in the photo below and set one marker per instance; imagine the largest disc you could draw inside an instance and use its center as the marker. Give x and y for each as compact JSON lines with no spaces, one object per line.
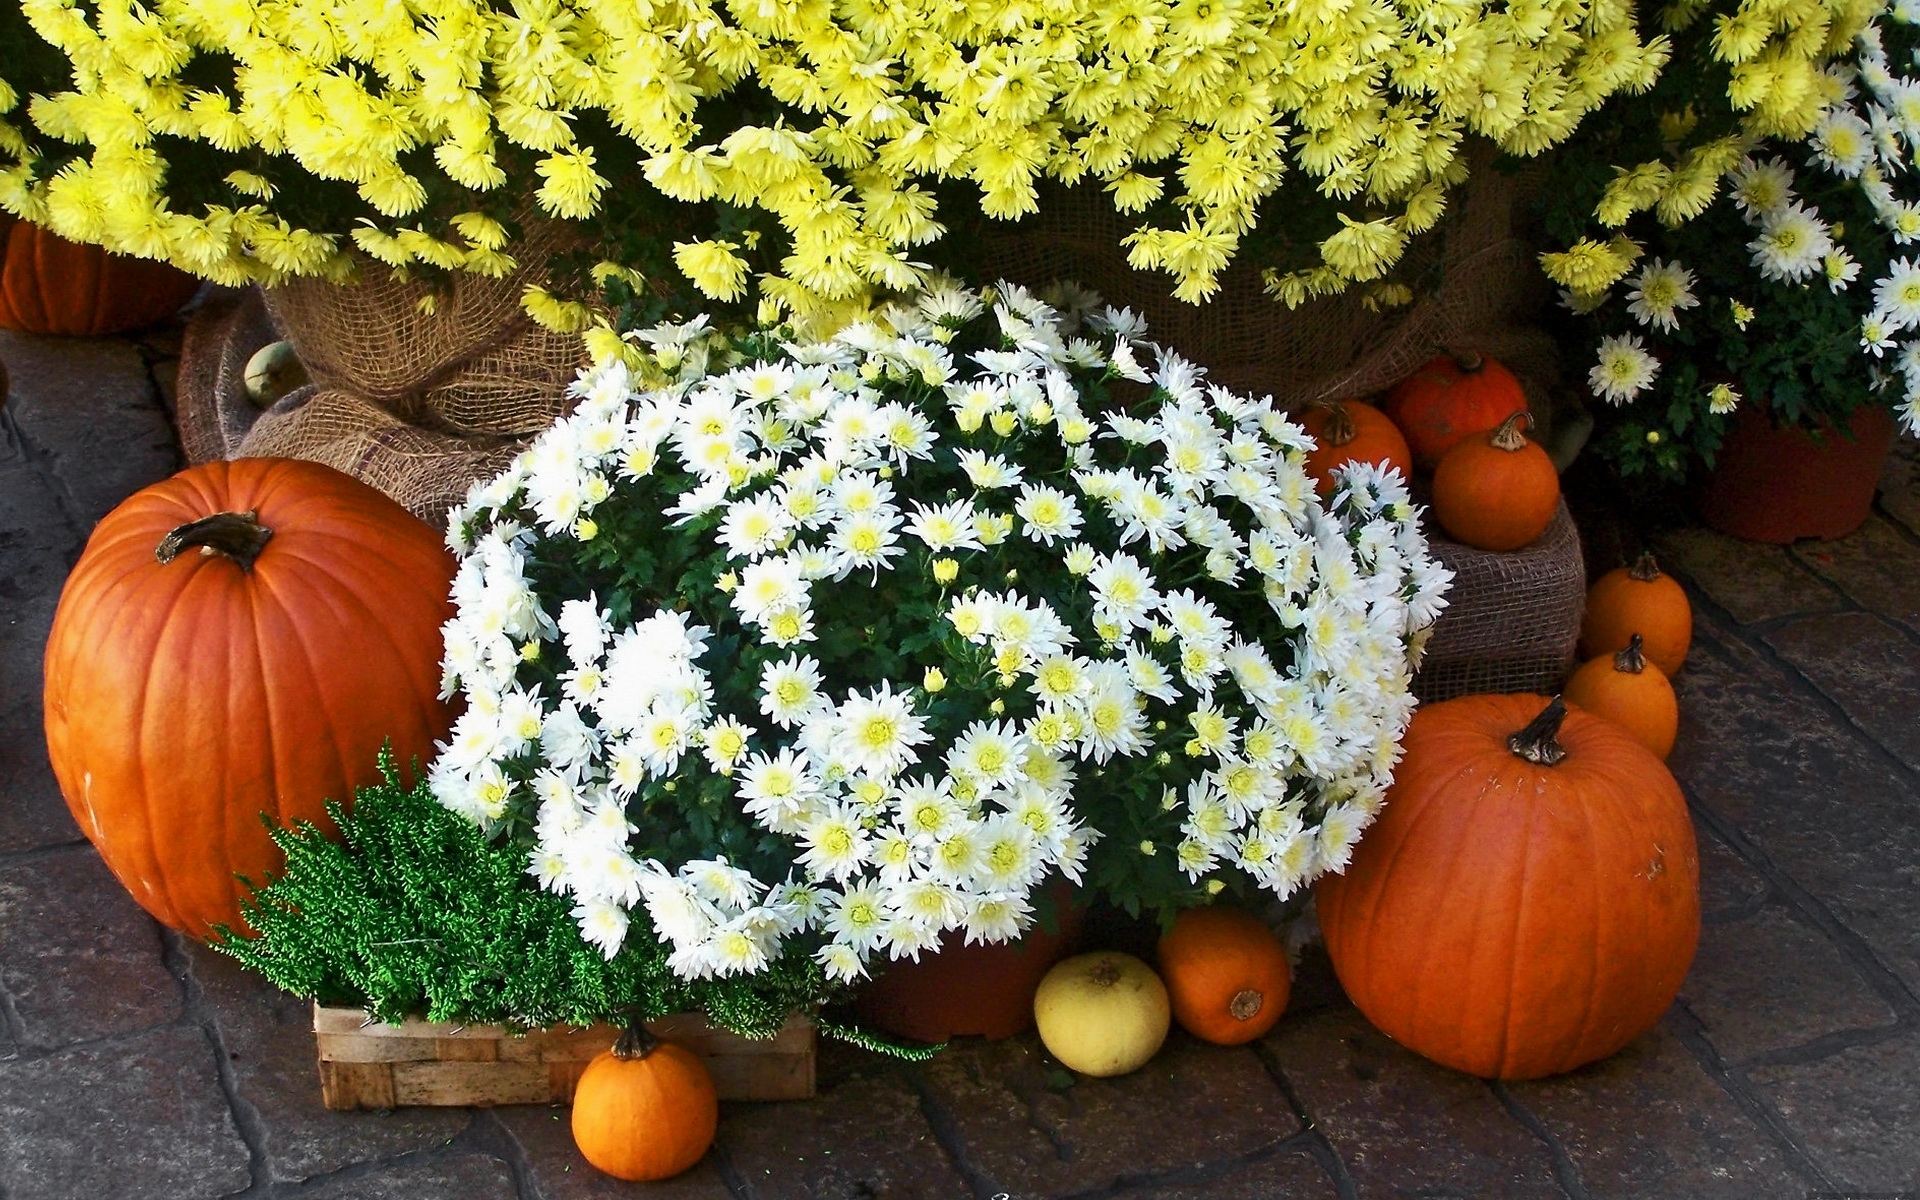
{"x":410,"y":912}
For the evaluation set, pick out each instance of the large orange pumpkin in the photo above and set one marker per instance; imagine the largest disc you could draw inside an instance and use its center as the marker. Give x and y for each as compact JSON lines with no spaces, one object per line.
{"x":1632,"y":691}
{"x":51,"y":285}
{"x":1226,"y":974}
{"x":1449,"y":397}
{"x":238,"y":639}
{"x":1496,"y":491}
{"x":644,"y":1110}
{"x":1349,"y":431}
{"x":1528,"y":900}
{"x":1640,"y":599}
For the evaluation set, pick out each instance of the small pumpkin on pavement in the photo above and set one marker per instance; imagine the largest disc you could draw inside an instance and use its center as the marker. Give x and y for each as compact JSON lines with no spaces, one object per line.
{"x":1102,"y":1014}
{"x":645,"y":1110}
{"x":1226,"y":974}
{"x":1639,"y":599}
{"x":50,"y":285}
{"x":1632,"y":691}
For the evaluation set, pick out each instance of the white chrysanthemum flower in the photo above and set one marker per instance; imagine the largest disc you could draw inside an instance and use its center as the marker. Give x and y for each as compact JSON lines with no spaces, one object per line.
{"x":1050,"y":514}
{"x":865,"y":541}
{"x":1761,"y":188}
{"x":603,"y":924}
{"x":945,"y":527}
{"x":1876,"y":335}
{"x":989,"y":471}
{"x":879,"y":732}
{"x":1624,"y":369}
{"x":1123,"y":591}
{"x":1843,"y":142}
{"x":991,"y":753}
{"x":1659,"y":292}
{"x":1896,"y":297}
{"x":996,"y":917}
{"x":1840,"y":268}
{"x":1792,"y":243}
{"x":835,"y":845}
{"x":790,"y":691}
{"x":755,"y":527}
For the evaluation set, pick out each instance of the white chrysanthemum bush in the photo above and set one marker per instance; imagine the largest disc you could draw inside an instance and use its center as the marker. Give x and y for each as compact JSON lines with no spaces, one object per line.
{"x":847,"y":645}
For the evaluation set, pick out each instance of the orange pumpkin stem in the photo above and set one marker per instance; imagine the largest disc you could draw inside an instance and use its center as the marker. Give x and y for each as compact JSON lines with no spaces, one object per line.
{"x":1509,"y":436}
{"x":1539,"y":742}
{"x":1644,"y":568}
{"x":637,"y":1042}
{"x":1632,"y":660}
{"x":1246,"y":1004}
{"x":1340,"y":427}
{"x":237,"y":536}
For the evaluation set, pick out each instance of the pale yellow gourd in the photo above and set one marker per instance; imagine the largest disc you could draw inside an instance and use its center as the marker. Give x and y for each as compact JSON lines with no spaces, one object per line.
{"x":1102,"y":1014}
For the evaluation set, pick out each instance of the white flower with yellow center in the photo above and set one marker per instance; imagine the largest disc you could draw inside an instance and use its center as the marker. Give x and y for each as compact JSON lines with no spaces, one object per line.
{"x":790,"y":691}
{"x":945,"y":527}
{"x":835,"y":845}
{"x":1050,"y":514}
{"x":991,"y":753}
{"x":879,"y":732}
{"x":1624,"y":369}
{"x":989,"y":471}
{"x":1659,"y":292}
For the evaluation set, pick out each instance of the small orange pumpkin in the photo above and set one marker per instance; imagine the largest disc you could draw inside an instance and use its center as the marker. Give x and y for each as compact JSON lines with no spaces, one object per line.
{"x":1498,"y":491}
{"x":1352,"y":431}
{"x":51,"y":285}
{"x":644,"y":1110}
{"x":1452,"y":396}
{"x":1631,"y":691}
{"x":1226,"y":974}
{"x":1643,"y":600}
{"x":1528,"y":902}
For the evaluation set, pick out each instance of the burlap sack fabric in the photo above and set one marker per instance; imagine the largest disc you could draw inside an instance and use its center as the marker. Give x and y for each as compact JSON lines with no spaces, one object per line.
{"x":417,"y":404}
{"x":421,"y":405}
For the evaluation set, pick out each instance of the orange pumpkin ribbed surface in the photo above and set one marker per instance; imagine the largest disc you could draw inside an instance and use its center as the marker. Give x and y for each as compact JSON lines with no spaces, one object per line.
{"x":1498,"y":491}
{"x":50,"y":285}
{"x":1450,"y":397}
{"x":1631,"y":691}
{"x":1528,"y":901}
{"x":644,"y":1110}
{"x":1226,"y":974}
{"x":238,"y":639}
{"x":1639,"y":599}
{"x":1348,"y":431}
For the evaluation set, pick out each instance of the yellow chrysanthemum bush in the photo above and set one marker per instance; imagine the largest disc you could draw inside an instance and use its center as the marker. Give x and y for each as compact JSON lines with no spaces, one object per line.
{"x":792,"y":154}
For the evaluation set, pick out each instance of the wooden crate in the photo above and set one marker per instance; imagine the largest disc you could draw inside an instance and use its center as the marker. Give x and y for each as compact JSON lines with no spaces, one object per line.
{"x":371,"y":1065}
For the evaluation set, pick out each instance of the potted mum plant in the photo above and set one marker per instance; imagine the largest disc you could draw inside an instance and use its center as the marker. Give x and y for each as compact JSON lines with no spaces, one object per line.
{"x":834,"y":648}
{"x":1761,"y":343}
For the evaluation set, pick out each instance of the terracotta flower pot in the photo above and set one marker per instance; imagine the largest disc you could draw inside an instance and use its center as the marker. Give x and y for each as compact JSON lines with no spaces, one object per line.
{"x":961,"y":990}
{"x":1779,"y":485}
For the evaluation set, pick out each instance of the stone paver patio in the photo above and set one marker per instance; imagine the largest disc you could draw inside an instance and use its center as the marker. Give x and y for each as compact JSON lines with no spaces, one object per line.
{"x":135,"y":1064}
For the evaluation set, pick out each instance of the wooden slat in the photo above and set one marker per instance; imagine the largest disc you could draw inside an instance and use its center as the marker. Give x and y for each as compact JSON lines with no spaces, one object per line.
{"x":424,"y":1063}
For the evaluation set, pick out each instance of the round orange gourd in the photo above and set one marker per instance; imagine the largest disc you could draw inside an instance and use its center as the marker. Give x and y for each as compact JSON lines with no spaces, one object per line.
{"x":644,"y":1110}
{"x":238,"y":639}
{"x":1639,"y":599}
{"x":1226,"y":974}
{"x":1450,"y":397}
{"x":1352,"y":431}
{"x":1496,"y":491}
{"x":51,"y":285}
{"x":1631,"y":691}
{"x":1528,"y":900}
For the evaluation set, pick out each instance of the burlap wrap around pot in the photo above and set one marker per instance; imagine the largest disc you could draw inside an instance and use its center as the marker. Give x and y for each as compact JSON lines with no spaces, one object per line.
{"x":417,"y":404}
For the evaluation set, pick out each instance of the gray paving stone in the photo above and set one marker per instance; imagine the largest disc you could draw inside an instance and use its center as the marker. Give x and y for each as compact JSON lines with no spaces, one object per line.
{"x":1730,"y":890}
{"x":88,"y":406}
{"x":1752,"y":582}
{"x":1288,"y":1174}
{"x":462,"y":1177}
{"x":1875,"y":566}
{"x":1825,"y":809}
{"x":1858,"y":1112}
{"x":140,"y":1118}
{"x":1193,"y":1104}
{"x":1767,"y":982}
{"x":270,"y":1046}
{"x":80,"y":959}
{"x":1403,"y":1125}
{"x":546,"y":1137}
{"x":32,"y":814}
{"x":1868,"y":667}
{"x":1649,"y":1124}
{"x":865,"y":1137}
{"x":1900,"y":483}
